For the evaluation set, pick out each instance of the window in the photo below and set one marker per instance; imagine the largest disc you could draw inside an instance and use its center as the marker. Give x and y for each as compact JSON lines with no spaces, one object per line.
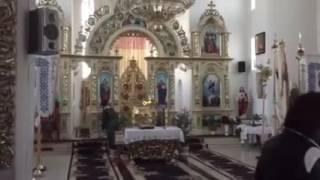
{"x":253,"y":5}
{"x":87,"y":9}
{"x":253,"y":54}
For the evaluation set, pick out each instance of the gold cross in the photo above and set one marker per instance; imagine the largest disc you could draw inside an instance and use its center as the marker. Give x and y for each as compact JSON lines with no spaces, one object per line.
{"x":211,"y":5}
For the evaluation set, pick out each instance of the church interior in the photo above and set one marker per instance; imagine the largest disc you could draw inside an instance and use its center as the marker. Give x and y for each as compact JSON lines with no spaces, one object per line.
{"x":149,"y":89}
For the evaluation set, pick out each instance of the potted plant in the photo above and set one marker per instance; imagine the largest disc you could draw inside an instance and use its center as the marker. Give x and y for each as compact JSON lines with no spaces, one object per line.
{"x":184,"y":122}
{"x":213,"y":124}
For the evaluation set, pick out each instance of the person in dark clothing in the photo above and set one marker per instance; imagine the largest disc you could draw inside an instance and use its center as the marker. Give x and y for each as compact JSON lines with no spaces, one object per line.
{"x":295,"y":153}
{"x":110,"y":125}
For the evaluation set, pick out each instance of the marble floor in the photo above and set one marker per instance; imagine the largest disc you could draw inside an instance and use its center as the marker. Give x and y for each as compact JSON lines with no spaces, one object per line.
{"x":232,"y":148}
{"x":57,"y":161}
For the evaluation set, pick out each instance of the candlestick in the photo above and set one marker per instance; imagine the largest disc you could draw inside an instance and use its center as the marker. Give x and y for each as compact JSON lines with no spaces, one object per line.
{"x":300,"y":37}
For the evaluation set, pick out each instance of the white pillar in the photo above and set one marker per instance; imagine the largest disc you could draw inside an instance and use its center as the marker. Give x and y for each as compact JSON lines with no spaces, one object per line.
{"x":23,"y":123}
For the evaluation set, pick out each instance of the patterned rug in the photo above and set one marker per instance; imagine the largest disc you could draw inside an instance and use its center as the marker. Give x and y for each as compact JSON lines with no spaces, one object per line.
{"x":90,"y":161}
{"x":230,"y":168}
{"x":161,"y":170}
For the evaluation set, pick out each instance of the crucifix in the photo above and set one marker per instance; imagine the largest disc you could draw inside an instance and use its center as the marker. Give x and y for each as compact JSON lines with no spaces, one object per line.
{"x":211,"y":5}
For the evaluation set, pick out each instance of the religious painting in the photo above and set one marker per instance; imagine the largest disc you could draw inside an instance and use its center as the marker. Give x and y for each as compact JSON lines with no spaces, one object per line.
{"x":260,"y":41}
{"x":211,"y":95}
{"x":210,"y":42}
{"x":161,"y":92}
{"x":314,"y":77}
{"x":105,"y":82}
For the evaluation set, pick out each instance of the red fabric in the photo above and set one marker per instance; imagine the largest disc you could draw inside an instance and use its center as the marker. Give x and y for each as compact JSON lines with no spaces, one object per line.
{"x":130,"y":42}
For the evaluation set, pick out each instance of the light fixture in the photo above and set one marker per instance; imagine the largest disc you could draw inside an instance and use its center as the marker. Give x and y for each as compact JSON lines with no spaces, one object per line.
{"x":301,"y":63}
{"x":300,"y":50}
{"x":85,"y":69}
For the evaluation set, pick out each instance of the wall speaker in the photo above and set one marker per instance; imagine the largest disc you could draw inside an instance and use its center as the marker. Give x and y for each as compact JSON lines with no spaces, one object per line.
{"x":44,"y":27}
{"x":241,"y":66}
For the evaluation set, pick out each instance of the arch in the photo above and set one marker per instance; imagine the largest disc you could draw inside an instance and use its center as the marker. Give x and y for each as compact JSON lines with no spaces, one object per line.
{"x":113,"y":37}
{"x":105,"y":33}
{"x":212,"y":17}
{"x":213,"y":35}
{"x":103,"y":28}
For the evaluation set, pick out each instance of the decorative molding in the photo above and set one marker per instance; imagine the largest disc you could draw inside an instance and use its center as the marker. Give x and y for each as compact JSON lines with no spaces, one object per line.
{"x":212,"y":15}
{"x":181,"y":34}
{"x":8,"y":14}
{"x":52,"y":3}
{"x":66,"y":39}
{"x":201,"y":67}
{"x":155,"y":10}
{"x":102,"y":26}
{"x":106,"y":29}
{"x":211,"y":19}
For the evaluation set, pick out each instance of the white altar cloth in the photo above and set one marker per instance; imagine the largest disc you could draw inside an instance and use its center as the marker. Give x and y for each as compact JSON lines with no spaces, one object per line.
{"x":158,"y":133}
{"x":248,"y":133}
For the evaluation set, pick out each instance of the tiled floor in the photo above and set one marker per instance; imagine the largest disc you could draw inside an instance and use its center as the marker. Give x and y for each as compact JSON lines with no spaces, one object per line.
{"x":57,"y":161}
{"x":231,"y":147}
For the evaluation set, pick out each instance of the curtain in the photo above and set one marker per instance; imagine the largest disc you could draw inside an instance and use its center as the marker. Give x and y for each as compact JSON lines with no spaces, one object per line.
{"x":133,"y":46}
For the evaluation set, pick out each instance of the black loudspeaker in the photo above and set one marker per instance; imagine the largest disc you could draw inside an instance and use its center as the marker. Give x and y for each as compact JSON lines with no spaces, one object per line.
{"x":241,"y":66}
{"x":44,"y":31}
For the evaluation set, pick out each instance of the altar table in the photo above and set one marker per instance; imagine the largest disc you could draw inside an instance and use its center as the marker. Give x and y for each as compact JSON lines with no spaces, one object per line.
{"x":158,"y":133}
{"x":249,"y":133}
{"x":156,"y":143}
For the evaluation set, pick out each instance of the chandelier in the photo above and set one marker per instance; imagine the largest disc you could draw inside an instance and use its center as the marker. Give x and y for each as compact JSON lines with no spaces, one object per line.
{"x":160,"y":10}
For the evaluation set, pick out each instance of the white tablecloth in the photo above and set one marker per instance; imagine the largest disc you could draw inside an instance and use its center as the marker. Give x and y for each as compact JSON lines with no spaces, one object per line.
{"x":169,"y":133}
{"x":249,"y":132}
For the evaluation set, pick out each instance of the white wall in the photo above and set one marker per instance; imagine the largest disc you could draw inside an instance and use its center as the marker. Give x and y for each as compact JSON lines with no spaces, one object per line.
{"x":285,"y":19}
{"x":67,"y":8}
{"x":24,"y":123}
{"x":318,"y":24}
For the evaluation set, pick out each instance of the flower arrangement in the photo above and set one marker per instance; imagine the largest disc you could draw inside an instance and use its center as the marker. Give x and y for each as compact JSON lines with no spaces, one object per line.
{"x":214,"y":122}
{"x":184,"y":121}
{"x":265,"y":72}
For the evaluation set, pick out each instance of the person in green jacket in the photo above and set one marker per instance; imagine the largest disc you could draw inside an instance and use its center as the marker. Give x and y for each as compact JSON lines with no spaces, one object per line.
{"x":110,"y":125}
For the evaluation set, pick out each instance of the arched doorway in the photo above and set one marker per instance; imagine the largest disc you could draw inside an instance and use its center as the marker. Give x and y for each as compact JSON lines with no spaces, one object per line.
{"x":133,"y":47}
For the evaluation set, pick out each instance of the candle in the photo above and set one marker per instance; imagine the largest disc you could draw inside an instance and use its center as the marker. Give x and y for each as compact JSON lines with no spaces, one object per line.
{"x":300,"y":37}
